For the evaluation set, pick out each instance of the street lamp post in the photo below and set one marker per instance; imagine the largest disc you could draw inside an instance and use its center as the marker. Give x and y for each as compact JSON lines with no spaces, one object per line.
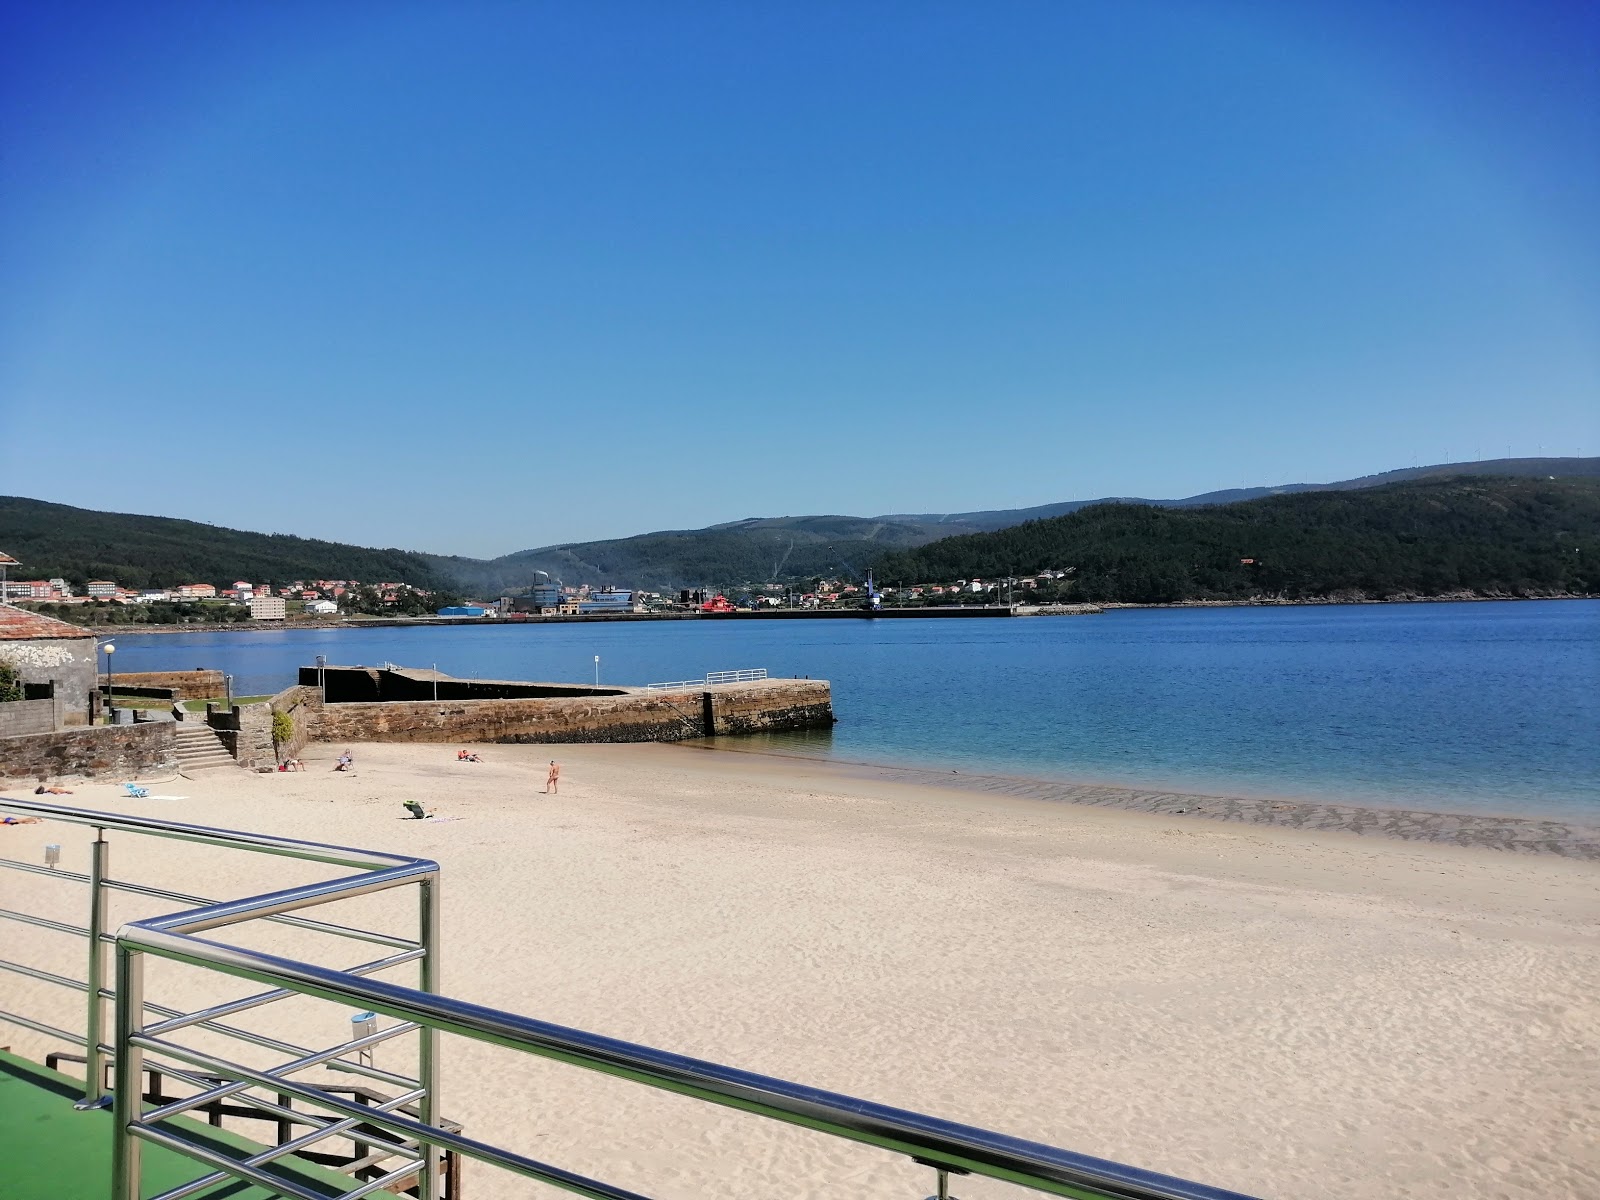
{"x":111,"y":680}
{"x":597,"y":670}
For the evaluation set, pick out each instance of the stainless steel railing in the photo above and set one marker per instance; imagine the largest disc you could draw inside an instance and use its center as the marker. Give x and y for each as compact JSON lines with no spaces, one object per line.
{"x":378,"y":871}
{"x":944,"y":1146}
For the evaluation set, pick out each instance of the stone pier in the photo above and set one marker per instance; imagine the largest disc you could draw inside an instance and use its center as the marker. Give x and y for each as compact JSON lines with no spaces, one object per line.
{"x":368,"y":704}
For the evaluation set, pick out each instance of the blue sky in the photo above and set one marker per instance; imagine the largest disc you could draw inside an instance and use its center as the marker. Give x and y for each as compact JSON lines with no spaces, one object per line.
{"x":483,"y":276}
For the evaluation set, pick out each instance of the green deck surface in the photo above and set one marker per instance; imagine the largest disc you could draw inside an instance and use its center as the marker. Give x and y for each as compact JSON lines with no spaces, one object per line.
{"x":50,"y":1151}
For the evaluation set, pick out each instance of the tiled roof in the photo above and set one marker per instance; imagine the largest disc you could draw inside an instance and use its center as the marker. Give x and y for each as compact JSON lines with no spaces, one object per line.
{"x":17,"y":625}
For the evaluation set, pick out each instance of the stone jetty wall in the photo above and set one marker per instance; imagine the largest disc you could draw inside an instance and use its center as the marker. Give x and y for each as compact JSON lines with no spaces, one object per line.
{"x":631,"y":716}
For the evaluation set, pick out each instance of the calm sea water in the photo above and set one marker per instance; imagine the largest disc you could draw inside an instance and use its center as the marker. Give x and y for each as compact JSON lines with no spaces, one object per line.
{"x":1474,"y":707}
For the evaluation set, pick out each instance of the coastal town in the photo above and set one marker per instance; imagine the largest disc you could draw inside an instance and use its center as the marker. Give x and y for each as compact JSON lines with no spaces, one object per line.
{"x":313,"y":599}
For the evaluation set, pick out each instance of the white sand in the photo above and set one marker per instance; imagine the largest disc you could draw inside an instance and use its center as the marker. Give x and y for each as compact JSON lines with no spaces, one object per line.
{"x":1288,"y":1014}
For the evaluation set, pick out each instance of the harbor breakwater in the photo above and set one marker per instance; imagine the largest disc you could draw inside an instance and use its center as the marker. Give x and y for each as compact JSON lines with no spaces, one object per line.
{"x":371,"y":704}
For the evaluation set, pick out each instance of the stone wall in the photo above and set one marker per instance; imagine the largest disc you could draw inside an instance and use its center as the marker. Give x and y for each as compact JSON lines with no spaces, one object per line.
{"x":69,"y":662}
{"x":245,"y":730}
{"x":184,"y":685}
{"x":304,"y":706}
{"x":633,"y":717}
{"x":18,"y":717}
{"x":115,"y":751}
{"x":770,"y":705}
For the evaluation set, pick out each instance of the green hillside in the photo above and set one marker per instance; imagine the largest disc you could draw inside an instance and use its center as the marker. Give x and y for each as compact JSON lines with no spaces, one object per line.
{"x":79,"y":544}
{"x":138,"y":551}
{"x":786,"y":549}
{"x":1485,"y":536}
{"x":751,"y":551}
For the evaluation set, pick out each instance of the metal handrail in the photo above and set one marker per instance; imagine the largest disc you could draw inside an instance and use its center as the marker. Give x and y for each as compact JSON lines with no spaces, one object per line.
{"x":946,"y":1146}
{"x":748,"y":676}
{"x":380,"y":871}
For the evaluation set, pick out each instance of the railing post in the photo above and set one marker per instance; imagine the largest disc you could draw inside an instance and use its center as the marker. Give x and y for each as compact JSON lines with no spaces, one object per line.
{"x":94,"y":1077}
{"x":428,"y":1038}
{"x":127,"y":1104}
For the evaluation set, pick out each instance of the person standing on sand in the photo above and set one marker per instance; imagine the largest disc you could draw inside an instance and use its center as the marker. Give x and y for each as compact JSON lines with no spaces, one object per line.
{"x":552,"y":779}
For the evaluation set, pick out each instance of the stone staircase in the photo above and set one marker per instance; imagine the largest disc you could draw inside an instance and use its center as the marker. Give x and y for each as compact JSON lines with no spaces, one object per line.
{"x":199,"y":748}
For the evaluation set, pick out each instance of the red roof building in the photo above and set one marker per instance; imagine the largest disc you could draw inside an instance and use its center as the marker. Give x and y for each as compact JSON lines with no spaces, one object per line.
{"x":17,"y":626}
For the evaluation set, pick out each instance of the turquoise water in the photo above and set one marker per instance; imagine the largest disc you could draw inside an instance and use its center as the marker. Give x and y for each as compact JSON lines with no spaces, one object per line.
{"x":1486,"y":707}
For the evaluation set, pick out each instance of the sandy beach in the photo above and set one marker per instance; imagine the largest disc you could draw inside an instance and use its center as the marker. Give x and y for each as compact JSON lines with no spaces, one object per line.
{"x":1284,"y":1009}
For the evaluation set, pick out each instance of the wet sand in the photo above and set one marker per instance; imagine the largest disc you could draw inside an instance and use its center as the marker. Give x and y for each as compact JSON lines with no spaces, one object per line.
{"x":1523,"y":834}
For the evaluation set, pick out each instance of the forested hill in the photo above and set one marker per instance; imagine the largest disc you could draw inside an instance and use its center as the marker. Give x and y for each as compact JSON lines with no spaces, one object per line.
{"x":79,"y":544}
{"x":750,"y":551}
{"x":1486,"y":536}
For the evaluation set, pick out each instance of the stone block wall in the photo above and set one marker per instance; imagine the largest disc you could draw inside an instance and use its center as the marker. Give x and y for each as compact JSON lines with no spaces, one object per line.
{"x":770,"y":705}
{"x":304,"y":706}
{"x":114,"y":751}
{"x":18,"y":717}
{"x":245,"y":730}
{"x":184,"y":685}
{"x":632,"y":717}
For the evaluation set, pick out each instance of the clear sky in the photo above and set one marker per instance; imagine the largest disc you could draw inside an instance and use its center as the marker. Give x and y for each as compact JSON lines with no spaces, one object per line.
{"x":474,"y":277}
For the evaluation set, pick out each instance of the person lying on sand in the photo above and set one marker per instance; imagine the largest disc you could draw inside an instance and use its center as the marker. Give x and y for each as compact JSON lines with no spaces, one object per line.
{"x":467,"y":756}
{"x":291,"y":764}
{"x":19,"y":820}
{"x":41,"y":790}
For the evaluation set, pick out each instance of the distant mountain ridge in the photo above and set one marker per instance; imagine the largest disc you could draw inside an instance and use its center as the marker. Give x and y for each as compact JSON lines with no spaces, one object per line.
{"x":1002,"y":518}
{"x":136,"y":551}
{"x":771,"y":549}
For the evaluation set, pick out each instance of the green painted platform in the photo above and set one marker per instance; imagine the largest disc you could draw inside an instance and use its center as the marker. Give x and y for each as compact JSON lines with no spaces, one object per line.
{"x":50,"y":1151}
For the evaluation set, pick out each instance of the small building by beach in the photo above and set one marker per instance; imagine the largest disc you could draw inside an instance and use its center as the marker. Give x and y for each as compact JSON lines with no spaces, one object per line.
{"x":47,"y":651}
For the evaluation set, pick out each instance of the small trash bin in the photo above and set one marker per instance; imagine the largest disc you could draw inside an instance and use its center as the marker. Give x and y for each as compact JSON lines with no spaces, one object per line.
{"x":124,"y":716}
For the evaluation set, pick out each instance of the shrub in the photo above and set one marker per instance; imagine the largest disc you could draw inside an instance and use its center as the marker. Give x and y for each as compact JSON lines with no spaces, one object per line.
{"x":10,"y":682}
{"x":282,"y":728}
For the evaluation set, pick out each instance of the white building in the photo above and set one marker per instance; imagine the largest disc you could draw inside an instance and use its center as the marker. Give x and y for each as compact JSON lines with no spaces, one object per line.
{"x":322,"y":608}
{"x":268,"y":608}
{"x":102,"y":589}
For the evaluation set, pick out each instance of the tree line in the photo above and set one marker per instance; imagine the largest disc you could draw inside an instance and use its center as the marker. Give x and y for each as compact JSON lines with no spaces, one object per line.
{"x":1480,"y":536}
{"x":80,"y":544}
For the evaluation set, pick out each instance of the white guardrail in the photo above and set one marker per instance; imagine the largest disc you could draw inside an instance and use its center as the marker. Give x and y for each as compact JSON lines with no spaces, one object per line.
{"x":712,"y":679}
